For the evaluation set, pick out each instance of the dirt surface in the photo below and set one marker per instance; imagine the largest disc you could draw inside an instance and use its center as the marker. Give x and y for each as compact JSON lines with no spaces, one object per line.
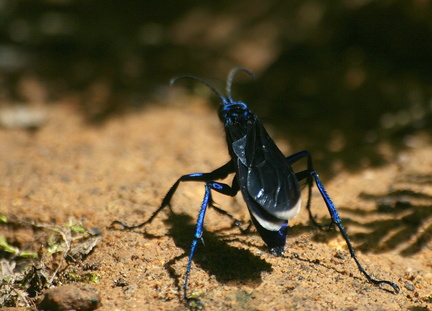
{"x":70,"y":171}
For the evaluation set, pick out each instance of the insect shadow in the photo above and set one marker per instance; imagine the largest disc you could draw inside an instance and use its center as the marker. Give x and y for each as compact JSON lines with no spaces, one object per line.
{"x":408,"y":227}
{"x":226,"y":263}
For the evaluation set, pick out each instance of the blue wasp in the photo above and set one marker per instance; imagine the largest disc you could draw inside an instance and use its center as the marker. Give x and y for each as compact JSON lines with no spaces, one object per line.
{"x":263,"y":175}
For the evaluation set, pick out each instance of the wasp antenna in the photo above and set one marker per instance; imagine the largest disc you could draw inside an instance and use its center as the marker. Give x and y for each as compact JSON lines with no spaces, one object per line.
{"x":231,"y":77}
{"x":219,"y":94}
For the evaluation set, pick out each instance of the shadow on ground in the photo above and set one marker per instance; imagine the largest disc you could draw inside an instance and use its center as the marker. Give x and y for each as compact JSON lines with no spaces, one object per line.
{"x":403,"y":220}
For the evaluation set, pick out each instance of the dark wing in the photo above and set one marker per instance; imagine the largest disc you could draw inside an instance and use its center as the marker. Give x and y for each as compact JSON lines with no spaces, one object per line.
{"x":268,"y":184}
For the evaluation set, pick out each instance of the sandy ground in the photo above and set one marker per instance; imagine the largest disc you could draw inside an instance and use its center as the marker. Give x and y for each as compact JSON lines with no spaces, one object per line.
{"x":71,"y":171}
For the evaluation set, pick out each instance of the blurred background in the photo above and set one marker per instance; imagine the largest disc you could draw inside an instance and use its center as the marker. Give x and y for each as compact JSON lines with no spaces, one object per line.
{"x":351,"y":81}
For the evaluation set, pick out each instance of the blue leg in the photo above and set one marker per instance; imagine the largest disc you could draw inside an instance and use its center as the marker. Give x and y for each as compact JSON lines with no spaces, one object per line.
{"x":219,"y":173}
{"x":336,"y":220}
{"x":210,"y":184}
{"x":298,"y":156}
{"x":311,"y":174}
{"x":198,"y":235}
{"x":207,"y":201}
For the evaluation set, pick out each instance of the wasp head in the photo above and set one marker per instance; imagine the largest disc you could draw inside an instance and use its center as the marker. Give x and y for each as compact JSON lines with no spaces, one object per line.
{"x":232,"y":113}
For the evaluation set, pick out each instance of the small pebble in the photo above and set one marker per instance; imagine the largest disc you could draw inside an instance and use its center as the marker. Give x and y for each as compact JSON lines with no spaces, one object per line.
{"x":79,"y":297}
{"x":409,"y":286}
{"x":22,"y":117}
